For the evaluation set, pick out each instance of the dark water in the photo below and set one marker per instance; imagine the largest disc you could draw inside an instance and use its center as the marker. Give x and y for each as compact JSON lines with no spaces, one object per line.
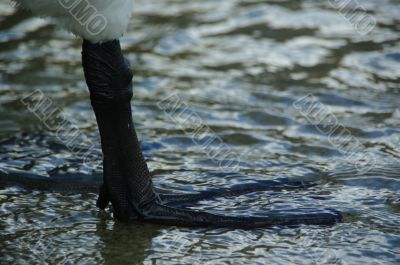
{"x":240,"y":66}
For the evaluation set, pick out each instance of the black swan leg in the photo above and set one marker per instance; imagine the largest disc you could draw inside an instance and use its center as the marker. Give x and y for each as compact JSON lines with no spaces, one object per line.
{"x":127,"y":182}
{"x":109,"y":81}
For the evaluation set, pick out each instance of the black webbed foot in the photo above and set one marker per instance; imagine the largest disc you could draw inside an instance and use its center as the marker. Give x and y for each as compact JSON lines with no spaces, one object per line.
{"x":127,"y":182}
{"x":162,"y":214}
{"x":278,"y":184}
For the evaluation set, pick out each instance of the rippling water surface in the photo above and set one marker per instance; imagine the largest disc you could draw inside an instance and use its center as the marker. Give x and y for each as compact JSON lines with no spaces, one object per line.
{"x":240,"y":65}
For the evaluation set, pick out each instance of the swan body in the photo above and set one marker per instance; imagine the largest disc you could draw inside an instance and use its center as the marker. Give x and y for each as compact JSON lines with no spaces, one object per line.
{"x":93,"y":20}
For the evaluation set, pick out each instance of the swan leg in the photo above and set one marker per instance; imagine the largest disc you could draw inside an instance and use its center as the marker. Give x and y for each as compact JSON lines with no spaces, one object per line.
{"x":127,"y":181}
{"x":109,"y":81}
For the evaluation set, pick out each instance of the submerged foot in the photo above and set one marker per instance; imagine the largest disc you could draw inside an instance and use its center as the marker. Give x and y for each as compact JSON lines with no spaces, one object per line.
{"x":162,"y":214}
{"x":127,"y":181}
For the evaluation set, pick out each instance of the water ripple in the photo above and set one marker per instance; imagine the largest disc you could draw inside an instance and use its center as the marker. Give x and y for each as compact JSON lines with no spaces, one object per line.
{"x":239,"y":65}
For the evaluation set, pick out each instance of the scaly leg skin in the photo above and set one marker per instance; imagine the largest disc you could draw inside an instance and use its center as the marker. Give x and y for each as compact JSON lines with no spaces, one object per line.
{"x":109,"y":82}
{"x":127,"y":181}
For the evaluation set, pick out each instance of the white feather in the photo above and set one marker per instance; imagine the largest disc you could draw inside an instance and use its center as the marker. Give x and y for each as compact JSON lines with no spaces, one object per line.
{"x":94,"y":20}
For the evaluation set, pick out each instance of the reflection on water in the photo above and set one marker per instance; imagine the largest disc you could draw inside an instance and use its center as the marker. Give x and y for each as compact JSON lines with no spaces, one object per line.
{"x":240,"y":66}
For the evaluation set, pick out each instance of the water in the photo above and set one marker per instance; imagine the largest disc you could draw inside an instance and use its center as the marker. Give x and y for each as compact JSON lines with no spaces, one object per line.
{"x":239,"y":65}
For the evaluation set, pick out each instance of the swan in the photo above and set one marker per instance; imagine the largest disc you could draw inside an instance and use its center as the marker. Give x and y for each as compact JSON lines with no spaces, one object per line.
{"x":127,"y":183}
{"x":94,"y":20}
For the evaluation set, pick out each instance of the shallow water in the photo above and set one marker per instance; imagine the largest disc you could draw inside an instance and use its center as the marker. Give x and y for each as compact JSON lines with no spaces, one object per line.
{"x":240,"y":66}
